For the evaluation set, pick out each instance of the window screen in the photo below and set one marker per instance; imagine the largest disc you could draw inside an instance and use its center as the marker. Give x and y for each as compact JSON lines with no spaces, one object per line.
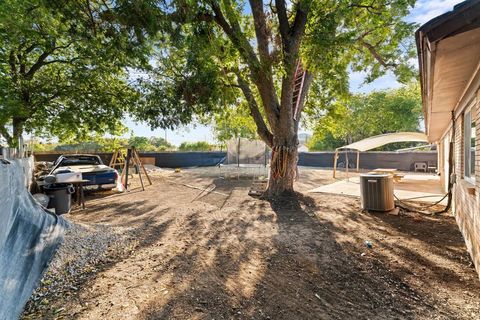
{"x":469,"y":134}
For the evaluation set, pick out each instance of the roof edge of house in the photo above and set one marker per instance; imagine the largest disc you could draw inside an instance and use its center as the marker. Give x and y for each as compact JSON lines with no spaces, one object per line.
{"x":465,"y":16}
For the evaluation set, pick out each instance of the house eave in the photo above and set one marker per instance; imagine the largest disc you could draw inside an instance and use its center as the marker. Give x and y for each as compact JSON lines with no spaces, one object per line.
{"x":463,"y":18}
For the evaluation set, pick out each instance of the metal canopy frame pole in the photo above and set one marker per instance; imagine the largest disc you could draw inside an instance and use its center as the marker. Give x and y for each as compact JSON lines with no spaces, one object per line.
{"x":238,"y":152}
{"x":238,"y":158}
{"x":127,"y":165}
{"x":358,"y":160}
{"x":346,"y":161}
{"x":335,"y":158}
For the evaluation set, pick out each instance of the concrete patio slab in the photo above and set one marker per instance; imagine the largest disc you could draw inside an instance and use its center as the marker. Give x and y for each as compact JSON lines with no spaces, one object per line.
{"x":413,"y":187}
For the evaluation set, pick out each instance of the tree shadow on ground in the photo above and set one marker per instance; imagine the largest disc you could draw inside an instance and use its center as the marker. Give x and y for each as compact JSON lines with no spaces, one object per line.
{"x":441,"y":255}
{"x":281,"y":260}
{"x":240,"y":257}
{"x":220,"y":190}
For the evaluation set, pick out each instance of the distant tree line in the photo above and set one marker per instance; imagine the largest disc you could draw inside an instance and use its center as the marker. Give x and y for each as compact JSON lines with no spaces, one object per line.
{"x":110,"y":144}
{"x":364,"y":115}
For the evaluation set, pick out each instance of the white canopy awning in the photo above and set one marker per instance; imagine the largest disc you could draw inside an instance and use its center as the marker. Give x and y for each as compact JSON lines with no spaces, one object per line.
{"x":383,"y":139}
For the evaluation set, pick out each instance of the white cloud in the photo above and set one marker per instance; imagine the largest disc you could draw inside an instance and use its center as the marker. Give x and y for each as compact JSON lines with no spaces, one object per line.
{"x":388,"y":81}
{"x":426,"y":10}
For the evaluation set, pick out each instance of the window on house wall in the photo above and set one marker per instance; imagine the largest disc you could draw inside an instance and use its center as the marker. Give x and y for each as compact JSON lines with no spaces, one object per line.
{"x":469,"y":134}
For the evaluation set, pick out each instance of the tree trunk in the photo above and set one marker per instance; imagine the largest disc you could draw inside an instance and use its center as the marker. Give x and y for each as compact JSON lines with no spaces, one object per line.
{"x":17,"y":126}
{"x":283,"y":167}
{"x":281,"y":132}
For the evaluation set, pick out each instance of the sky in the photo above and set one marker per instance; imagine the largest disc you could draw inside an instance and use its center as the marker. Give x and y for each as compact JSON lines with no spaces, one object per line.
{"x":423,"y":11}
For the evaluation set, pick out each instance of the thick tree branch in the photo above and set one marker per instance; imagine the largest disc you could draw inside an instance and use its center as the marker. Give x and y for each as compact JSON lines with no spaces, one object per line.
{"x":290,"y":62}
{"x":261,"y":30}
{"x":37,"y":65}
{"x":41,"y":59}
{"x":298,"y":28}
{"x":17,"y":126}
{"x":30,"y":48}
{"x":13,"y":68}
{"x":262,"y":128}
{"x":373,"y":51}
{"x":263,"y":80}
{"x":236,"y":36}
{"x":283,"y":23}
{"x":21,"y":63}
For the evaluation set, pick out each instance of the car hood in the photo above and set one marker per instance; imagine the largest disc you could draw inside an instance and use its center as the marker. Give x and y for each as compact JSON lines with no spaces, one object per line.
{"x":86,"y":168}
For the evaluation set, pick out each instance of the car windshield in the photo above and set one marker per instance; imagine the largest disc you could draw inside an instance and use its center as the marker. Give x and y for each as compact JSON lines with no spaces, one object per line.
{"x":80,"y":160}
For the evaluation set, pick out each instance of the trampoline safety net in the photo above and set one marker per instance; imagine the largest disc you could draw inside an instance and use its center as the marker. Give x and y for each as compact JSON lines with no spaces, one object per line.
{"x":244,"y":151}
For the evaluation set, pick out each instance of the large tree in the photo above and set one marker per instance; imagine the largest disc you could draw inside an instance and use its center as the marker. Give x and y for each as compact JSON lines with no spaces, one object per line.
{"x":213,"y":50}
{"x":62,"y":67}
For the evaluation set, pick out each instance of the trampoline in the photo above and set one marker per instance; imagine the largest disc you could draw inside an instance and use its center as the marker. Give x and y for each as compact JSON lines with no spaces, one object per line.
{"x":245,"y":159}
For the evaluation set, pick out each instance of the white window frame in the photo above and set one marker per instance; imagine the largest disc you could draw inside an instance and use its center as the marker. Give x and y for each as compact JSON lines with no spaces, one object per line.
{"x":467,"y":131}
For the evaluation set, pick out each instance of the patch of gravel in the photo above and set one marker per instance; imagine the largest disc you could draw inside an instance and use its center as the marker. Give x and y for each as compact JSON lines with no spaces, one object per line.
{"x":85,"y":251}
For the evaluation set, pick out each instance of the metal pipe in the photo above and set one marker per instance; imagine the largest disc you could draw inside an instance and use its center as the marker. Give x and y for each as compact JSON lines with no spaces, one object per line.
{"x":127,"y":164}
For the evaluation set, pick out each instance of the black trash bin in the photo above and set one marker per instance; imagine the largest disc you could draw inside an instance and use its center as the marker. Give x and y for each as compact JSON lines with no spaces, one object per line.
{"x":60,"y":195}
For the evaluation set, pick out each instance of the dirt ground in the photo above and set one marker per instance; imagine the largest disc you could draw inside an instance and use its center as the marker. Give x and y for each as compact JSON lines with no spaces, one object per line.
{"x":221,"y":254}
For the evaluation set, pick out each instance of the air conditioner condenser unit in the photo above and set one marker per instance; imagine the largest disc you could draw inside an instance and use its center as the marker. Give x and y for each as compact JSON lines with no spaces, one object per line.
{"x":376,"y":192}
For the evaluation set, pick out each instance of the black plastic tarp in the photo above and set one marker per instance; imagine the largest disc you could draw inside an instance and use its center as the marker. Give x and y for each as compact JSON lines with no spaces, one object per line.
{"x":368,"y":160}
{"x":162,"y":159}
{"x":29,"y":237}
{"x":403,"y":161}
{"x":186,"y":159}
